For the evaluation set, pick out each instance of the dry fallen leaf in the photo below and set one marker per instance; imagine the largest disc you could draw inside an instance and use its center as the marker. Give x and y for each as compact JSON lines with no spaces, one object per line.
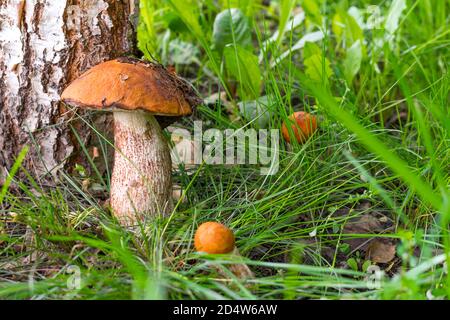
{"x":380,"y":251}
{"x":363,"y":224}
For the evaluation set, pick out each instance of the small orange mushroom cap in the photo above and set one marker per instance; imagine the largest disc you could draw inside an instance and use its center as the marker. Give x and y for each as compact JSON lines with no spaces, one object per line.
{"x":214,"y":237}
{"x":303,"y":126}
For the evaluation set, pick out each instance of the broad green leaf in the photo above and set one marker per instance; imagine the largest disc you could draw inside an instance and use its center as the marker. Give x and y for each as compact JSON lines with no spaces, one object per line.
{"x":337,"y":26}
{"x":352,"y":61}
{"x":344,"y":26}
{"x":352,"y":30}
{"x":358,"y":15}
{"x":311,"y":49}
{"x":312,"y":11}
{"x":231,"y":26}
{"x":317,"y":67}
{"x":174,"y":22}
{"x":352,"y":264}
{"x":366,"y":265}
{"x":243,"y":65}
{"x":188,"y":13}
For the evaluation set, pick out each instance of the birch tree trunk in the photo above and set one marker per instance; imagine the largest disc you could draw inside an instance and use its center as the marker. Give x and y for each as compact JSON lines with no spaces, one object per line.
{"x":44,"y":45}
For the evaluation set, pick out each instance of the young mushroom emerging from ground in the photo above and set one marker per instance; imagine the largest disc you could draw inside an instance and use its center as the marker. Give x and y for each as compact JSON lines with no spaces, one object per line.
{"x":139,"y":94}
{"x":215,"y":238}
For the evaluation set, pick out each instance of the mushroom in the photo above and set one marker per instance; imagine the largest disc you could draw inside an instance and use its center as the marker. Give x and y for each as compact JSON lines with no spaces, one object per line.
{"x":140,"y":94}
{"x":303,"y":126}
{"x":215,"y":238}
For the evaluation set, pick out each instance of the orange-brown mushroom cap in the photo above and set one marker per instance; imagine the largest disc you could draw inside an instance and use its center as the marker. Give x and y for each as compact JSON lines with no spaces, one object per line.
{"x":214,"y":237}
{"x":303,"y":126}
{"x":130,"y":84}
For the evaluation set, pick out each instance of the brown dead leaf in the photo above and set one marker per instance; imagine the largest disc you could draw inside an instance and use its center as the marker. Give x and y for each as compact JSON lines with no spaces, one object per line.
{"x":380,"y":251}
{"x":363,"y":224}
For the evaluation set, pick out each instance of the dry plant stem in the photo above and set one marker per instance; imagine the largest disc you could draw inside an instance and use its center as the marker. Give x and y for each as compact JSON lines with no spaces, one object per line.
{"x":141,"y":183}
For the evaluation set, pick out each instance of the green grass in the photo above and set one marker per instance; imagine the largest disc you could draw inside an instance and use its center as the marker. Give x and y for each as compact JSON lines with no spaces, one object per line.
{"x":382,"y":149}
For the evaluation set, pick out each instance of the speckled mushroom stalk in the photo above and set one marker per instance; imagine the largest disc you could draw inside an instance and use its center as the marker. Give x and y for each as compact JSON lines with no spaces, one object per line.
{"x":142,"y":95}
{"x":141,"y":180}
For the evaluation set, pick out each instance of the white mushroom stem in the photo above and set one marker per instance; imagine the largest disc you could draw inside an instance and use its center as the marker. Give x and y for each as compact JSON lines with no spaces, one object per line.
{"x":141,"y":183}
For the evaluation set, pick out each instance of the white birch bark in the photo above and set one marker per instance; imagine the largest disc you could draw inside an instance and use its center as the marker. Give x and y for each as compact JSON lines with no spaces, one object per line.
{"x":44,"y":45}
